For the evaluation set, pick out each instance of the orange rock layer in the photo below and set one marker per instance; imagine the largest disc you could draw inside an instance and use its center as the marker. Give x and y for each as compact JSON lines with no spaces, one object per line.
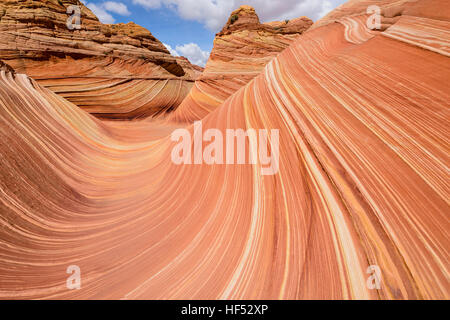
{"x":241,"y":50}
{"x":113,"y":71}
{"x":363,"y":181}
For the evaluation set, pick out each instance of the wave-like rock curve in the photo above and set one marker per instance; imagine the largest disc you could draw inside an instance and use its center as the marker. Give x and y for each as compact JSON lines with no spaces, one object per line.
{"x":241,"y":51}
{"x":362,"y":182}
{"x":116,"y":71}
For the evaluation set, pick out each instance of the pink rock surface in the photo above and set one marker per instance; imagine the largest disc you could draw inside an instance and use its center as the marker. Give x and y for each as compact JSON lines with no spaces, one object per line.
{"x":363,"y":181}
{"x":113,"y":71}
{"x":241,"y":50}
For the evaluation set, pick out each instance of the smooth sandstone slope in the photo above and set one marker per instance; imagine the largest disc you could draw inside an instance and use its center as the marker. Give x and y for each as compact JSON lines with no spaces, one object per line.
{"x":112,"y":71}
{"x":363,"y":180}
{"x":241,"y":50}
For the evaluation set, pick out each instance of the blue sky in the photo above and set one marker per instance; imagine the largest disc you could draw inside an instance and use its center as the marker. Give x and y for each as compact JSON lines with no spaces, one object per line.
{"x":188,"y":27}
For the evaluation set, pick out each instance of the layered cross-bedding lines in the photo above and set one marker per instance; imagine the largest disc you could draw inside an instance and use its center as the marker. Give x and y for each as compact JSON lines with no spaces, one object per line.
{"x":121,"y":98}
{"x":119,"y":72}
{"x":241,"y":50}
{"x":363,"y":181}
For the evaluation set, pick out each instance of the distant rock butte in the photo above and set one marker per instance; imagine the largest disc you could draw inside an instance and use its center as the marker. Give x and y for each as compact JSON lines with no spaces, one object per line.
{"x":116,"y":71}
{"x":241,"y":50}
{"x":361,"y":194}
{"x":246,"y":19}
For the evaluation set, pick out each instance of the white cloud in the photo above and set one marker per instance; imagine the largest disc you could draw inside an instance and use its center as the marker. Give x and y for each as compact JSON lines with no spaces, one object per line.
{"x":171,"y":50}
{"x":116,"y":7}
{"x":191,"y":51}
{"x":103,"y":10}
{"x":101,"y":13}
{"x":194,"y":53}
{"x":214,"y":13}
{"x":150,"y":4}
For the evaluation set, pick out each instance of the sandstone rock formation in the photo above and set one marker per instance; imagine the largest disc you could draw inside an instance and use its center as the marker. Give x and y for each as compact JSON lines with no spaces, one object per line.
{"x":241,"y":50}
{"x":362,"y":181}
{"x":113,"y":71}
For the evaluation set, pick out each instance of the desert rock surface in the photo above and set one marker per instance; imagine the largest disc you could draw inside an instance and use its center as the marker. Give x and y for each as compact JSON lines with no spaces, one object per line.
{"x":362,"y":181}
{"x":116,"y":71}
{"x":241,"y":51}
